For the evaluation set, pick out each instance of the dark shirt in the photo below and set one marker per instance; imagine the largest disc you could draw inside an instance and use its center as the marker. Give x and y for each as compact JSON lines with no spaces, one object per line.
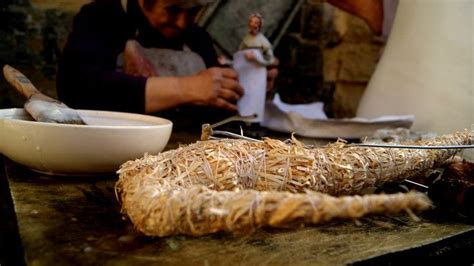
{"x":87,"y":76}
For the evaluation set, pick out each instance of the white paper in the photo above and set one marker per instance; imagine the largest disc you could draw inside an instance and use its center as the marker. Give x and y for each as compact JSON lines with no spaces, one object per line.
{"x":313,"y":110}
{"x":296,"y":118}
{"x":253,"y":79}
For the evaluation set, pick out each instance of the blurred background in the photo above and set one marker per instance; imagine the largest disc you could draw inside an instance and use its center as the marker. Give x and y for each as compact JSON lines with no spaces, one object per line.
{"x":325,"y":53}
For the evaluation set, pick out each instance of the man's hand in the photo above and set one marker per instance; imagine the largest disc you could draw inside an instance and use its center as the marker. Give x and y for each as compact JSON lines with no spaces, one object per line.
{"x":215,"y":86}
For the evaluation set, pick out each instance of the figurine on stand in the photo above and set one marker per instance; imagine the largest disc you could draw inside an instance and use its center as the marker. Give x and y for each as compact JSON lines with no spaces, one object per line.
{"x":251,"y":61}
{"x":256,"y":40}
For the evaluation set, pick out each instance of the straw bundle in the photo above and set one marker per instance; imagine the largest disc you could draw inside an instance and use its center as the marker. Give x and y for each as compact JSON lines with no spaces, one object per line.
{"x":235,"y":185}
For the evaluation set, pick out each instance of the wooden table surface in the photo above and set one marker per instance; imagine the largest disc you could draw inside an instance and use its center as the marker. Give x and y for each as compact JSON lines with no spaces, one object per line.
{"x":47,"y":220}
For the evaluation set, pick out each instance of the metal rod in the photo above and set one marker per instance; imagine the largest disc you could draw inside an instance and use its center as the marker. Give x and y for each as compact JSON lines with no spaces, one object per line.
{"x":234,"y":118}
{"x":232,"y":135}
{"x":412,"y":146}
{"x":417,"y":184}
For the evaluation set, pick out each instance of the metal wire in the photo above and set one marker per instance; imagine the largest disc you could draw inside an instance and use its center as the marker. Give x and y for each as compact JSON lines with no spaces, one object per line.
{"x":249,"y":118}
{"x":230,"y":134}
{"x":366,"y":145}
{"x":411,"y":146}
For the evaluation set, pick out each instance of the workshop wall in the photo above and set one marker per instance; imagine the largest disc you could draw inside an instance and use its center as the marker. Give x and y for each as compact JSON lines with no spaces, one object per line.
{"x":326,"y":55}
{"x":33,"y":33}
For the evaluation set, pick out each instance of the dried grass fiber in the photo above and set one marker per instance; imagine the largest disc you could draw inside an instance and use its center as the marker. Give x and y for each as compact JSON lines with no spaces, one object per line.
{"x":238,"y":185}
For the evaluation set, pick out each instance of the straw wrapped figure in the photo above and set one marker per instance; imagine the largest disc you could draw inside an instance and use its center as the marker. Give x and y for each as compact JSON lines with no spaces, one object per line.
{"x":239,"y":185}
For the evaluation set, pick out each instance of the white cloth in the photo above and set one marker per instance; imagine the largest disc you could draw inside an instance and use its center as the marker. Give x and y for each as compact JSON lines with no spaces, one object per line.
{"x":169,"y":62}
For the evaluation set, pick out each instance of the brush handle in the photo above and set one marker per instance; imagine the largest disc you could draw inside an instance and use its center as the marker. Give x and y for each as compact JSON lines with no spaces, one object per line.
{"x":20,"y":81}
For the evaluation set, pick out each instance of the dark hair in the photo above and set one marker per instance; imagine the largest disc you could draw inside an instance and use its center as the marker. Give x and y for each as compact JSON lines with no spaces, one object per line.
{"x":149,"y":4}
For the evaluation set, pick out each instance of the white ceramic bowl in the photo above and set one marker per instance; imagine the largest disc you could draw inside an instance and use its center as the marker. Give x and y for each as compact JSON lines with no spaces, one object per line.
{"x":108,"y":140}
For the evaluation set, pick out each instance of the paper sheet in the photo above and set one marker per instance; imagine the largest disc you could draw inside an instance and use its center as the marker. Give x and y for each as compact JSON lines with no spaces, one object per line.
{"x":310,"y":121}
{"x":253,"y":79}
{"x":311,"y":110}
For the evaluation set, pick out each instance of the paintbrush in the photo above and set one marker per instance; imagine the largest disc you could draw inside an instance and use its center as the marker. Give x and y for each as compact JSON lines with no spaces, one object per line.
{"x":41,"y":107}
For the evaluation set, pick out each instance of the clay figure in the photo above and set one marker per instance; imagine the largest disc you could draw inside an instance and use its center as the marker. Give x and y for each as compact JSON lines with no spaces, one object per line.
{"x":256,"y":40}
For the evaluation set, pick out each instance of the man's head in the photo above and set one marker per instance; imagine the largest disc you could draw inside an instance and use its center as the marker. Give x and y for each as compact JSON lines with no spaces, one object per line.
{"x":172,"y":17}
{"x":255,"y":23}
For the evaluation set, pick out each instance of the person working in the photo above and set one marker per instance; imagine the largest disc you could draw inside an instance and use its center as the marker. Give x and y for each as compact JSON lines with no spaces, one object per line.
{"x":87,"y":73}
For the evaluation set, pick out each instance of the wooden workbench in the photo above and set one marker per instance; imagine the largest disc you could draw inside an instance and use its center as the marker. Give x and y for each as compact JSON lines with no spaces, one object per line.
{"x":48,"y":220}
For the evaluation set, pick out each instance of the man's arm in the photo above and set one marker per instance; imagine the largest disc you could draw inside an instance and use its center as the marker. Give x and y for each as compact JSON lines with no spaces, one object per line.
{"x":216,"y":87}
{"x":87,"y":77}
